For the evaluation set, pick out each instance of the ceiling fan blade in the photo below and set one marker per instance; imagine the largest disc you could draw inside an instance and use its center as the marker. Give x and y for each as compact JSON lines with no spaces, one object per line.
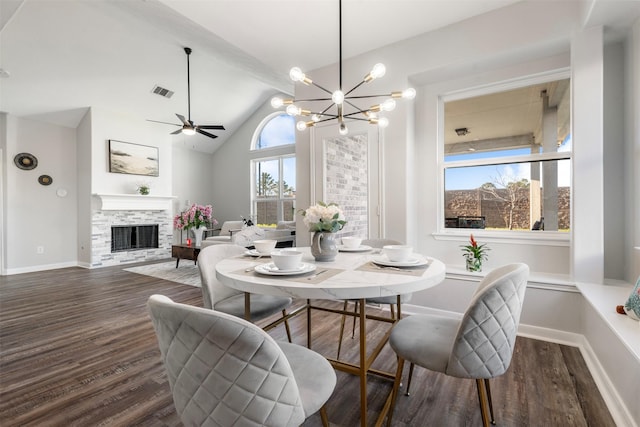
{"x":218,"y":127}
{"x":176,"y":132}
{"x":164,"y":123}
{"x":210,"y":135}
{"x":183,"y":120}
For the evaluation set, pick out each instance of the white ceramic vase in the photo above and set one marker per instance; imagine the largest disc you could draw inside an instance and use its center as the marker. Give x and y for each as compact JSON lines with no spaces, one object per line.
{"x":197,"y":234}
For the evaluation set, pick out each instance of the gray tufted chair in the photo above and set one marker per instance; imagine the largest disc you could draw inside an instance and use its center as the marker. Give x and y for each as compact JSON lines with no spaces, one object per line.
{"x":478,"y":346}
{"x":390,"y":299}
{"x":219,"y":297}
{"x":224,"y":371}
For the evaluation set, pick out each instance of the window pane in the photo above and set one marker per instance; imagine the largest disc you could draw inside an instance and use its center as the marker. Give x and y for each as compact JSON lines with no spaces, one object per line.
{"x":278,"y":131}
{"x":509,"y":196}
{"x":267,"y":212}
{"x":267,"y":178}
{"x":289,"y":177}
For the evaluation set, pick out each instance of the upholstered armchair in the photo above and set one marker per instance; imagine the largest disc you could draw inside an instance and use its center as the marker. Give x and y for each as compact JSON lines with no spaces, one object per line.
{"x":226,"y":233}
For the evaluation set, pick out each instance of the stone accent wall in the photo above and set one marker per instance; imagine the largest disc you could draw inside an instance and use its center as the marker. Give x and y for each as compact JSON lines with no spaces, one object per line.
{"x":346,"y":180}
{"x":101,"y":222}
{"x":479,"y":203}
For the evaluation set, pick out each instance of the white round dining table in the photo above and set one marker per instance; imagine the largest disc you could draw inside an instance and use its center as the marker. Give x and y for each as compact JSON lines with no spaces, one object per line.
{"x":351,"y":276}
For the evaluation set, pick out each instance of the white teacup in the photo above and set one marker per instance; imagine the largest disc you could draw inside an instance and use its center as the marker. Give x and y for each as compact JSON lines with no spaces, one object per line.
{"x":351,"y":242}
{"x":264,"y":247}
{"x":397,"y":253}
{"x":286,"y":260}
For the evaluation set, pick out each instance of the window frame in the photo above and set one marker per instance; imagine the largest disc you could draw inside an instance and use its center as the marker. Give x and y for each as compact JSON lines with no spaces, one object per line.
{"x":257,"y":155}
{"x":548,"y":238}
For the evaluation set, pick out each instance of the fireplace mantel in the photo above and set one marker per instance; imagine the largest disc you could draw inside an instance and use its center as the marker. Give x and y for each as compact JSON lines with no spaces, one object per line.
{"x":133,"y":202}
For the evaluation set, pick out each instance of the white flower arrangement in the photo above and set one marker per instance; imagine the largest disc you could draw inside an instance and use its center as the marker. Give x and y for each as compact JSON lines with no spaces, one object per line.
{"x":324,"y":217}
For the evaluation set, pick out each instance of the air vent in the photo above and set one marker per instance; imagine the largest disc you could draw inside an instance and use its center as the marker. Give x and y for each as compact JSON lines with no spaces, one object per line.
{"x":158,"y":90}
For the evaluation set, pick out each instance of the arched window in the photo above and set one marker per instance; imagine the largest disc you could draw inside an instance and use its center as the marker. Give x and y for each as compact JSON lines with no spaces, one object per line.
{"x":273,"y":170}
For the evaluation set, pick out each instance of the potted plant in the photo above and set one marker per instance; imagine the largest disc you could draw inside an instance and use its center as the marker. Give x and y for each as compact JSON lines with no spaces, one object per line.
{"x":474,"y":254}
{"x":324,"y":220}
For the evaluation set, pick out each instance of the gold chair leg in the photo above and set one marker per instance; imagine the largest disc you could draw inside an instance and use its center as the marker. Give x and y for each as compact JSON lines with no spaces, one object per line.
{"x":486,"y":384}
{"x":286,"y":325}
{"x":344,"y":308}
{"x":394,"y":393}
{"x":482,"y":397}
{"x":355,"y":312}
{"x":324,"y":417}
{"x":392,"y":311}
{"x":406,"y":393}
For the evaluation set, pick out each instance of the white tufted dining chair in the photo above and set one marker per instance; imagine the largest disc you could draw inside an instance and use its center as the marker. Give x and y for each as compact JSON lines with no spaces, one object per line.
{"x":219,"y":297}
{"x":225,"y":371}
{"x":478,"y":346}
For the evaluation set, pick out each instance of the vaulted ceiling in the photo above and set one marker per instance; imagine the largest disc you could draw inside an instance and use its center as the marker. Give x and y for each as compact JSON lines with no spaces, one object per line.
{"x":63,"y":56}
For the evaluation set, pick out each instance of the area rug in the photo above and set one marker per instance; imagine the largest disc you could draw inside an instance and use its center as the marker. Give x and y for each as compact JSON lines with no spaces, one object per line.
{"x":187,"y":273}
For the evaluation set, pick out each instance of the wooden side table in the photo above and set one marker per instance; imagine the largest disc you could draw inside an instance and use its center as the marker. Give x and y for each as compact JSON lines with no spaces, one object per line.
{"x":185,"y":252}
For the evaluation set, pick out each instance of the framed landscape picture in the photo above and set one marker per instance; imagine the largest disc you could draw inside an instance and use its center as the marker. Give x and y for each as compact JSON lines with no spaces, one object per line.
{"x":134,"y":159}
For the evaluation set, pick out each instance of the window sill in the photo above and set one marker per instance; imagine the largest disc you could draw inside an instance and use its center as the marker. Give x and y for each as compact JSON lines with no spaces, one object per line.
{"x":541,"y":238}
{"x":558,"y":282}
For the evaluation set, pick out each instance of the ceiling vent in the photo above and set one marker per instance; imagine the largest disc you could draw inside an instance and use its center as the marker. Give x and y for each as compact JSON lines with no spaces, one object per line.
{"x":158,"y":90}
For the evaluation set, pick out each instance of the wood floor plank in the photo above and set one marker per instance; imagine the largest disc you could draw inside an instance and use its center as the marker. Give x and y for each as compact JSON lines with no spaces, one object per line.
{"x":77,"y":348}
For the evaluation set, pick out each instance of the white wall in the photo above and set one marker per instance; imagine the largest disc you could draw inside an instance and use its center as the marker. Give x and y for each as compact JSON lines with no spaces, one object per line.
{"x":231,"y":169}
{"x":632,"y":150}
{"x":36,"y":216}
{"x":614,"y":131}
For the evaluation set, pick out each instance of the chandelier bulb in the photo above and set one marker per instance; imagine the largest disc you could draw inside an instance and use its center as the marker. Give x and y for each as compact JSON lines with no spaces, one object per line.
{"x":343,"y":129}
{"x":277,"y":102}
{"x":301,"y":125}
{"x":409,"y":93}
{"x":383,"y":122}
{"x":337,"y":97}
{"x":388,"y":105}
{"x":292,"y":110}
{"x":315,"y":118}
{"x":296,"y":74}
{"x":378,"y":71}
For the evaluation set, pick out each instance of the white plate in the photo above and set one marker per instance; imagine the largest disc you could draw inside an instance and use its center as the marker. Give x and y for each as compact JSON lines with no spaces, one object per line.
{"x":270,"y":269}
{"x":413,"y":261}
{"x":254,"y":252}
{"x":361,"y":248}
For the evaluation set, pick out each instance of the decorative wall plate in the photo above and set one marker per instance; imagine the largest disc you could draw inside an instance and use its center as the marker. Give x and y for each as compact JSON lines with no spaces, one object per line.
{"x":45,"y":179}
{"x":25,"y":161}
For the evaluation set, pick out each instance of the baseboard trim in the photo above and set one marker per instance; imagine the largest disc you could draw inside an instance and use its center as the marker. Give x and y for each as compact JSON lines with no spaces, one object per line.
{"x":618,"y":410}
{"x":35,"y":268}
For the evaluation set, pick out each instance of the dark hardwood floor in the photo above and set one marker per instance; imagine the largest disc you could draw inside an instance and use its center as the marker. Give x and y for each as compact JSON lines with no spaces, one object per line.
{"x":77,"y":348}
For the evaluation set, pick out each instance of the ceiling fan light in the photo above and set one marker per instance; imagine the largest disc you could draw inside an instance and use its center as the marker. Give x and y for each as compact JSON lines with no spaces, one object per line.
{"x":188,"y":130}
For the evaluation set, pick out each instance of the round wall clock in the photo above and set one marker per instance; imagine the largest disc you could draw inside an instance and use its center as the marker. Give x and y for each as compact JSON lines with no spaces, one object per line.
{"x":25,"y":161}
{"x":45,"y":179}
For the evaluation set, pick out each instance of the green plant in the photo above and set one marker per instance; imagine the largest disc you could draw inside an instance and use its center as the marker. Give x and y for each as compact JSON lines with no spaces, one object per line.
{"x":143,"y":189}
{"x":474,"y":250}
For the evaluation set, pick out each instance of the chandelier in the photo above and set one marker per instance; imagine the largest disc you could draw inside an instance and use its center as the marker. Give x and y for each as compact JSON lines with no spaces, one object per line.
{"x":341,"y":104}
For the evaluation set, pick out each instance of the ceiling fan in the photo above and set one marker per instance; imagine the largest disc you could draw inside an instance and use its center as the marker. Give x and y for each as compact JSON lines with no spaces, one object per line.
{"x":187,"y":126}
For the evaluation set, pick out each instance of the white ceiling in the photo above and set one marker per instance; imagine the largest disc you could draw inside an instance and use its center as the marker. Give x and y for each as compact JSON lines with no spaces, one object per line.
{"x":64,"y":56}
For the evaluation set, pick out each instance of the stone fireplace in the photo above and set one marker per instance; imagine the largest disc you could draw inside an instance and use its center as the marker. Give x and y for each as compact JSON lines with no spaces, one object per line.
{"x":130,"y":212}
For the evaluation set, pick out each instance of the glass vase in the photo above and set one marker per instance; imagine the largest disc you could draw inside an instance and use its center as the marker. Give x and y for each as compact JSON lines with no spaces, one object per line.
{"x":323,"y":246}
{"x":474,"y":264}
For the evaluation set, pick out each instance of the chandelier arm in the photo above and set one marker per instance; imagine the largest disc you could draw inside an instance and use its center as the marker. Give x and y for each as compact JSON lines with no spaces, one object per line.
{"x":311,"y":100}
{"x":353,"y":105}
{"x":369,"y":96}
{"x":320,"y":87}
{"x":351,"y":115}
{"x":355,"y":87}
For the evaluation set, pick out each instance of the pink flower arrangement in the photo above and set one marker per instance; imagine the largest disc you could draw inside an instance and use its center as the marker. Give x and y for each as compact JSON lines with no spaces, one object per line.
{"x":195,"y":217}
